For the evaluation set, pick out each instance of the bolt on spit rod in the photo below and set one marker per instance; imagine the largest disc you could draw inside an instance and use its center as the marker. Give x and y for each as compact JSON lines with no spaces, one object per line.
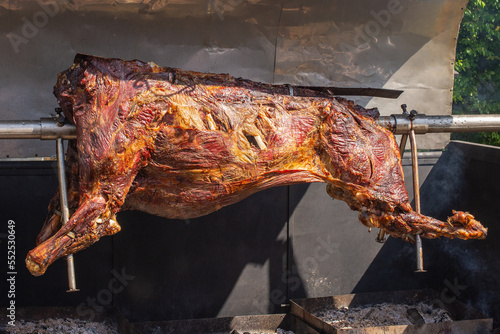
{"x":61,"y":174}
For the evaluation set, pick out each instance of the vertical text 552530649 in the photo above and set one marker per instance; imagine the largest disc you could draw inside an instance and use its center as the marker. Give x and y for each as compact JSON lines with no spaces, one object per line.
{"x":11,"y":246}
{"x":11,"y":272}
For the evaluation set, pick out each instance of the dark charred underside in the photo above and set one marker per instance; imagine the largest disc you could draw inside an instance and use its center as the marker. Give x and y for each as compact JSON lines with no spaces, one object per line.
{"x":183,"y":144}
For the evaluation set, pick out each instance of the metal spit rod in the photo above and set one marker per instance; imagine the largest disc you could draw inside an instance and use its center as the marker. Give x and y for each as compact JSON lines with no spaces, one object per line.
{"x":45,"y":128}
{"x":401,"y":124}
{"x":51,"y":129}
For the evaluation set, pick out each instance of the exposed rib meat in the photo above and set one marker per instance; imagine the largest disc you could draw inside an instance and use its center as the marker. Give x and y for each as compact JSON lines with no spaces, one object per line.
{"x":183,"y":144}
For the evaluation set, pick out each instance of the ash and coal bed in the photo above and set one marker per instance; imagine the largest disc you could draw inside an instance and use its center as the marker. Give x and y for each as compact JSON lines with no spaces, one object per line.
{"x":61,"y":325}
{"x":385,"y":314}
{"x":278,"y":331}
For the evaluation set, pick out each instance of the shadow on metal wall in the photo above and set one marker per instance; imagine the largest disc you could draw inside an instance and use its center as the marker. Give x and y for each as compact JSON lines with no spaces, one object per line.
{"x":230,"y":262}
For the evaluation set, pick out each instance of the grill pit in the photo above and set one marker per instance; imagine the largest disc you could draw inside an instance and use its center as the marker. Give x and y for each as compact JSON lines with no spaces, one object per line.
{"x":419,"y":311}
{"x":385,"y":314}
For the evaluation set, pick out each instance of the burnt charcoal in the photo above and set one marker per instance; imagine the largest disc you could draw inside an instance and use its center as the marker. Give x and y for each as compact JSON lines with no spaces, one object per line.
{"x":415,"y":317}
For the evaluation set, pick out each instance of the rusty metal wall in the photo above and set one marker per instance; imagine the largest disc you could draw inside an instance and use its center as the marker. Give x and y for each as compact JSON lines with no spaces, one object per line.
{"x":392,"y":44}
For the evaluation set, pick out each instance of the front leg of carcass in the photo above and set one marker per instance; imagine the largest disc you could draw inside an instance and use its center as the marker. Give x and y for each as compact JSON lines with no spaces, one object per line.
{"x":103,"y":189}
{"x":84,"y":228}
{"x":109,"y":151}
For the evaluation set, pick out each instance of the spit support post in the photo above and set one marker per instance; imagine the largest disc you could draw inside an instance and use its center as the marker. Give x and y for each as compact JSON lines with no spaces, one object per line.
{"x":404,"y":138}
{"x":416,"y":192}
{"x":416,"y":184}
{"x":61,"y":173}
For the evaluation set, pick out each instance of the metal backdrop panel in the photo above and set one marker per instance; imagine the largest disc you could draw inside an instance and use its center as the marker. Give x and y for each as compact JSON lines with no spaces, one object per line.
{"x":393,"y":44}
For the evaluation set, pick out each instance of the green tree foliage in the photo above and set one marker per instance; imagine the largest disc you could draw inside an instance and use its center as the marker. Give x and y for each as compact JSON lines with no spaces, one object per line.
{"x":477,"y":86}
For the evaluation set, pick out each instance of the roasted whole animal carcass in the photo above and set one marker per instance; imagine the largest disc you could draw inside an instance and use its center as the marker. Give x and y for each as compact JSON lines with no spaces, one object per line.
{"x":183,"y":144}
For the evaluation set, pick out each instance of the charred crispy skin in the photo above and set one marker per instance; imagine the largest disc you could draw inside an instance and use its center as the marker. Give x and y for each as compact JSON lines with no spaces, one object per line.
{"x":183,"y":144}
